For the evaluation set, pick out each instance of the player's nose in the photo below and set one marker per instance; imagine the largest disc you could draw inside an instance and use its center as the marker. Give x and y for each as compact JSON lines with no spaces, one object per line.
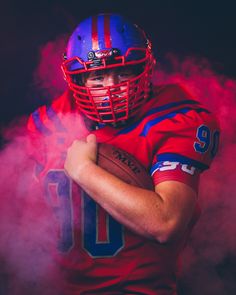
{"x":111,"y":80}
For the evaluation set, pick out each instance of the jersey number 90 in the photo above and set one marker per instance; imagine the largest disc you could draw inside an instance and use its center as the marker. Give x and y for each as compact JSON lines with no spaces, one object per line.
{"x":89,"y":232}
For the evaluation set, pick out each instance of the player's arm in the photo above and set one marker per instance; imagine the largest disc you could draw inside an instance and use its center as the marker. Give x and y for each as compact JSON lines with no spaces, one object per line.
{"x":162,"y":214}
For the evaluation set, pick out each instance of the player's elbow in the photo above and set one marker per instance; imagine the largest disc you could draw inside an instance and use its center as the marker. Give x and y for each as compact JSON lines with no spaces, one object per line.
{"x":169,"y":232}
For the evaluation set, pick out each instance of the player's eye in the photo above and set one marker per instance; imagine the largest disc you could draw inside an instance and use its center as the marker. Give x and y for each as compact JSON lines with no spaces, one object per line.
{"x":97,"y":78}
{"x":123,"y":76}
{"x":95,"y":81}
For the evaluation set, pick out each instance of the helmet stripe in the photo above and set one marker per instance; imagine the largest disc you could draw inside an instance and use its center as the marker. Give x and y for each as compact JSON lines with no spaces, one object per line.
{"x":107,"y":32}
{"x":95,"y":32}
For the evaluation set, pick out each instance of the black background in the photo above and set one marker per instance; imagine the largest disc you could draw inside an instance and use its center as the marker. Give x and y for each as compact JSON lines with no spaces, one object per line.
{"x":187,"y":28}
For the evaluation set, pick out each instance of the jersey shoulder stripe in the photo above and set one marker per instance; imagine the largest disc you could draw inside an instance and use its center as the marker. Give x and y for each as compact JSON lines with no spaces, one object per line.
{"x":48,"y":118}
{"x":171,"y":111}
{"x":170,"y":115}
{"x":171,"y":105}
{"x":53,"y":116}
{"x":38,"y":123}
{"x":46,"y":121}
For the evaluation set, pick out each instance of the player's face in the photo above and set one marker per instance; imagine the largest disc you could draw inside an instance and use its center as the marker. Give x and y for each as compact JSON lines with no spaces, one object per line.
{"x":104,"y":83}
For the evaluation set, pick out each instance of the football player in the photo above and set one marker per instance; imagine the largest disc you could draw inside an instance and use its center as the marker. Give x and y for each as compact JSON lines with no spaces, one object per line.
{"x":113,"y":237}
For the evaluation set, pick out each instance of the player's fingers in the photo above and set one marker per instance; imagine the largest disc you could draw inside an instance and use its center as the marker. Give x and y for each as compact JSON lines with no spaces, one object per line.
{"x":92,"y":142}
{"x":91,"y":138}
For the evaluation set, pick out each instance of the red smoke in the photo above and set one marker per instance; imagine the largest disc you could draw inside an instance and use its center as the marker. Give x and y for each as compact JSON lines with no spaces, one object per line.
{"x":213,"y":239}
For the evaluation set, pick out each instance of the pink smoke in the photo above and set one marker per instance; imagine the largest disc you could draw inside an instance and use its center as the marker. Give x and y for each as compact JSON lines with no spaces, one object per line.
{"x":48,"y":78}
{"x":213,"y":238}
{"x":24,"y":222}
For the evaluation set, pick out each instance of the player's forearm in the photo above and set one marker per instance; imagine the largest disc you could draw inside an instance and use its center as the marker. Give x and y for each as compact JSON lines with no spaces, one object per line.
{"x":140,"y":210}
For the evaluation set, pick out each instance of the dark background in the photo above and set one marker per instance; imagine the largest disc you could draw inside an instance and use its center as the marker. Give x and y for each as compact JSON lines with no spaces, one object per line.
{"x":187,"y":28}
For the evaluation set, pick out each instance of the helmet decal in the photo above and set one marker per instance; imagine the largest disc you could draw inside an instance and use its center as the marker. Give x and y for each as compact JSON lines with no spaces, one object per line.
{"x":104,"y":28}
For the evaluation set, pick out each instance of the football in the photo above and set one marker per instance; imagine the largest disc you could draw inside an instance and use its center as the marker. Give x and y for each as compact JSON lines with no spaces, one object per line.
{"x":123,"y":165}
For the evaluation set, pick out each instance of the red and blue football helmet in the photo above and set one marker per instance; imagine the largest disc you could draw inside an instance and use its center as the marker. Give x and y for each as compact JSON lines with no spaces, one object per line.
{"x":108,"y":41}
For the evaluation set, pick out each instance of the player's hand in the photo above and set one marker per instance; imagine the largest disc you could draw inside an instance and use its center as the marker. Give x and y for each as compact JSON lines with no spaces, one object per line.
{"x":80,"y":154}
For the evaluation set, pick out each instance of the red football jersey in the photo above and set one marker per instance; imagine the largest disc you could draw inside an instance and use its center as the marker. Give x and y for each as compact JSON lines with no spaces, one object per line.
{"x":175,"y":138}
